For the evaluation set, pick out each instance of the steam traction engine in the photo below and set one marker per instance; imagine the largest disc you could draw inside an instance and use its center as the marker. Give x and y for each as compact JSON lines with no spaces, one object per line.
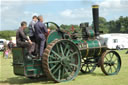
{"x":65,"y":56}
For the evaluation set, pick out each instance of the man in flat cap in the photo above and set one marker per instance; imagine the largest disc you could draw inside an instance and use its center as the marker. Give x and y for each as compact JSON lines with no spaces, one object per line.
{"x":40,"y":30}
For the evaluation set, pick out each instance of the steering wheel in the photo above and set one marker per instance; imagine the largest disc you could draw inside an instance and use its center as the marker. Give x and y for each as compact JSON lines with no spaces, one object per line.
{"x":47,"y":24}
{"x":57,"y":28}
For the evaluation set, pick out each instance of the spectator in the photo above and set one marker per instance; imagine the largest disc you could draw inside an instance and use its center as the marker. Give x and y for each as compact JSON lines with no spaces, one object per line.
{"x":11,"y":45}
{"x":5,"y":48}
{"x":6,"y":53}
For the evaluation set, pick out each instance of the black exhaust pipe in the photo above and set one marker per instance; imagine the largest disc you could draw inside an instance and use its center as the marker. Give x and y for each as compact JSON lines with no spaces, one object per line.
{"x":95,"y":11}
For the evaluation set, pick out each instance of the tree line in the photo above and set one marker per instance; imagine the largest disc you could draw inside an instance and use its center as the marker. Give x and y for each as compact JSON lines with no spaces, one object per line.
{"x":113,"y":26}
{"x":7,"y":34}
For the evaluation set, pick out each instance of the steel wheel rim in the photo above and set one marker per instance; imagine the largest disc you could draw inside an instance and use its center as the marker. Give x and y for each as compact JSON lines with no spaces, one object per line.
{"x":111,"y":63}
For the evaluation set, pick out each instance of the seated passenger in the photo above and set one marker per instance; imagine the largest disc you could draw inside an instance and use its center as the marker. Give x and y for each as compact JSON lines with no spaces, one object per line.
{"x":23,"y":41}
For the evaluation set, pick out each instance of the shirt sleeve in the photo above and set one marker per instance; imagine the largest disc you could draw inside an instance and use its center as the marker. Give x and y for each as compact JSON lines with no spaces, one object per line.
{"x":43,"y":27}
{"x":33,"y":23}
{"x":23,"y":35}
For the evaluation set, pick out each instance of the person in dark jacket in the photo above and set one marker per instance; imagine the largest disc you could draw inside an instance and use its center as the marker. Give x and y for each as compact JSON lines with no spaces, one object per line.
{"x":31,"y":28}
{"x":11,"y":45}
{"x":32,"y":33}
{"x":22,"y":40}
{"x":40,"y":30}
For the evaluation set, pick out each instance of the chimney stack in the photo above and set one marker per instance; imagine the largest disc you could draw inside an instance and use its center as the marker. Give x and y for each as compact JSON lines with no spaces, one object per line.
{"x":95,"y":11}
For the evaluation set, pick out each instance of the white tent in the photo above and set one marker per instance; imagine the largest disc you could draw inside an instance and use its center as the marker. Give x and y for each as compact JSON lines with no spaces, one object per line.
{"x":116,"y":40}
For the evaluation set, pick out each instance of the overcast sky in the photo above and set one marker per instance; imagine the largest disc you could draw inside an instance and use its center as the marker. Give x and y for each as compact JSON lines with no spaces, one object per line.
{"x":12,"y":12}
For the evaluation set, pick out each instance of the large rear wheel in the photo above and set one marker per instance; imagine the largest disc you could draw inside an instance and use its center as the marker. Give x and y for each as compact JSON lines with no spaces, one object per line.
{"x":61,"y":60}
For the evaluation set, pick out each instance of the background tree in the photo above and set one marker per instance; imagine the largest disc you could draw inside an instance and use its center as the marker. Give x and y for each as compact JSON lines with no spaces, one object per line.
{"x":7,"y":34}
{"x":103,"y":26}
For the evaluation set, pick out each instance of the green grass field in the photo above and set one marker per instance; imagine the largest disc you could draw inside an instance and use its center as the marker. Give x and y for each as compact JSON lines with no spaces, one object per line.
{"x":96,"y":78}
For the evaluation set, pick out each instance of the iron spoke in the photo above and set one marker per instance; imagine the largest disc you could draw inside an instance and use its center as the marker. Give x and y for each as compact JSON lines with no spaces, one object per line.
{"x":73,"y":65}
{"x":106,"y":58}
{"x":51,"y":56}
{"x":114,"y":67}
{"x":65,"y":48}
{"x":67,"y":71}
{"x":92,"y":65}
{"x":88,"y":68}
{"x":72,"y":54}
{"x":53,"y":66}
{"x":106,"y":65}
{"x":61,"y":50}
{"x":69,"y":68}
{"x":62,"y":72}
{"x":59,"y":74}
{"x":56,"y":54}
{"x":109,"y":69}
{"x":112,"y":56}
{"x":53,"y":61}
{"x":68,"y":52}
{"x":57,"y":48}
{"x":56,"y":69}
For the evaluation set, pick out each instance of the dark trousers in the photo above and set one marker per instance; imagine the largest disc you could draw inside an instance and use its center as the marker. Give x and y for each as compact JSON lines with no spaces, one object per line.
{"x":30,"y":47}
{"x":41,"y":46}
{"x":33,"y":39}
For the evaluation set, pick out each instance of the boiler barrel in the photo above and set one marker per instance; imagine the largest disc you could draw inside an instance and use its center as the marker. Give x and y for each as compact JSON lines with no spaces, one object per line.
{"x":92,"y":48}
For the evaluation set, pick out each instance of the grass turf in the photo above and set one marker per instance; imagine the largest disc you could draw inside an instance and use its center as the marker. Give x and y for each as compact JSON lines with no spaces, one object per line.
{"x":96,"y":78}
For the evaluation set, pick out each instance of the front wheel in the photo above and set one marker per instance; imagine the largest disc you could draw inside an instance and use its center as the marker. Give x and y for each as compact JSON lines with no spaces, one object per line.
{"x":110,"y":63}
